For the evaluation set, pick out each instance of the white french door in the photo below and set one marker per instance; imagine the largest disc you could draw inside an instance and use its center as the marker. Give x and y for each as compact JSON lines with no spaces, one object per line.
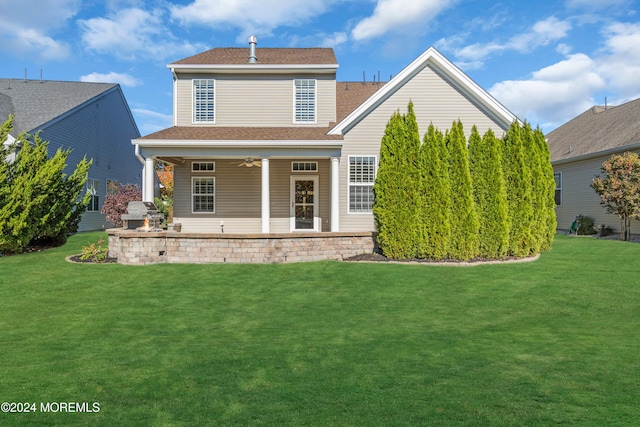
{"x":304,"y":203}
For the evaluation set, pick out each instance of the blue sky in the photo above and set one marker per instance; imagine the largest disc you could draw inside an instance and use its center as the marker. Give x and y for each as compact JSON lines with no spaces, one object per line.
{"x":547,"y":61}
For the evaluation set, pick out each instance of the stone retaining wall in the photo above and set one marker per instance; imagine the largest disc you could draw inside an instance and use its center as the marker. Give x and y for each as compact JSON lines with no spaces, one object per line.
{"x":133,"y":247}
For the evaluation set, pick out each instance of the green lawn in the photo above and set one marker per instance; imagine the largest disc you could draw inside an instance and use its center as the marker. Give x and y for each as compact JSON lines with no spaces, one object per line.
{"x":555,"y":341}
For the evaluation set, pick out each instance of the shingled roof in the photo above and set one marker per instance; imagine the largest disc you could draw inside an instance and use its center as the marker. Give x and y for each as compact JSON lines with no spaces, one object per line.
{"x":349,"y":96}
{"x":36,"y":102}
{"x":206,"y":133}
{"x":275,"y":56}
{"x":596,"y":130}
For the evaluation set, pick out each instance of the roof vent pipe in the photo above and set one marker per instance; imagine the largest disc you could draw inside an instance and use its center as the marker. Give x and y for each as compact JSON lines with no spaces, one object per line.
{"x":252,"y":49}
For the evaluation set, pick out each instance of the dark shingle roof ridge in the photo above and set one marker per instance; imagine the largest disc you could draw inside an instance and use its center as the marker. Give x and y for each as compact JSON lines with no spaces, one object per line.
{"x":596,"y":130}
{"x":273,"y":55}
{"x":38,"y":102}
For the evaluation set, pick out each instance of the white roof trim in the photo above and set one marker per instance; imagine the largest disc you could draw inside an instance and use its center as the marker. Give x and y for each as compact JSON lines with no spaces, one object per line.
{"x":607,"y":152}
{"x":253,"y":67}
{"x":235,"y":143}
{"x":430,"y":56}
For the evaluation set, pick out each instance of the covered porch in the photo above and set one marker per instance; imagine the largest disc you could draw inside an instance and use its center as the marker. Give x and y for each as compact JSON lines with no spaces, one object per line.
{"x":264,"y":186}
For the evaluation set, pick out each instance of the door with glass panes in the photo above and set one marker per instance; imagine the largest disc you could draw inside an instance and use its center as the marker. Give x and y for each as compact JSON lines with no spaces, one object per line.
{"x":304,"y":203}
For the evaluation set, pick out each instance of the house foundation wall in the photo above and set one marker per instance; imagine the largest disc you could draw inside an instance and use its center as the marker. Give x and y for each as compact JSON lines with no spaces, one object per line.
{"x":141,"y":248}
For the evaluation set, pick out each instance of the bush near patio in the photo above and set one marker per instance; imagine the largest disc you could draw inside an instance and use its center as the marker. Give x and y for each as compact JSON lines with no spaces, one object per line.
{"x":490,"y":199}
{"x":39,"y":202}
{"x":115,"y":204}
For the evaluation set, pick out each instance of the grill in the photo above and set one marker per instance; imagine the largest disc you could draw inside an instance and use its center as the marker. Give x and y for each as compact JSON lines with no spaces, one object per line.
{"x":143,"y":216}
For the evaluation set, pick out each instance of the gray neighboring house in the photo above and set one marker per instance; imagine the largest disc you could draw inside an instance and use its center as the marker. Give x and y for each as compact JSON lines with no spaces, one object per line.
{"x":578,"y":149}
{"x":93,"y":119}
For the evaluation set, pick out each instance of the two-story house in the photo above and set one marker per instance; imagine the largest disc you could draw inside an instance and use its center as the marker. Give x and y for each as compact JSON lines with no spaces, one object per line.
{"x":265,"y":140}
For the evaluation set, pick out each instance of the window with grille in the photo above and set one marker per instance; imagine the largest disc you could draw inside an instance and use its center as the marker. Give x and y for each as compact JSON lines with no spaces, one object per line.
{"x":203,"y":192}
{"x":362,"y":175}
{"x":112,"y":187}
{"x":558,"y":196}
{"x":92,"y":189}
{"x":305,"y":101}
{"x":304,"y":166}
{"x":203,"y":166}
{"x":204,"y":101}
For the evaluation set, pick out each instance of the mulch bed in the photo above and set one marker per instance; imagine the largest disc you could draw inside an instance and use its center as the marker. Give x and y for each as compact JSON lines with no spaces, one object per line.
{"x":376,"y":257}
{"x":76,"y":259}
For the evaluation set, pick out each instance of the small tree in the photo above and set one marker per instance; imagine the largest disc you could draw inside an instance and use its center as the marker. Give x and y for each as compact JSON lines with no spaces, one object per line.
{"x":434,"y":197}
{"x":116,"y":204}
{"x":490,"y":194}
{"x":619,"y":189}
{"x":39,"y":202}
{"x":395,"y":189}
{"x":463,"y":244}
{"x":517,"y":177}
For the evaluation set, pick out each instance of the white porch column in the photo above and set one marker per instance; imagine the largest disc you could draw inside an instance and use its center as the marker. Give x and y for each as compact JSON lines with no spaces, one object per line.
{"x":335,"y":194}
{"x":148,"y":181}
{"x":266,"y":208}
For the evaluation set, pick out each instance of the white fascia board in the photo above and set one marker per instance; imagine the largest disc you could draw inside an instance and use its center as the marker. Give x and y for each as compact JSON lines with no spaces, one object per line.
{"x":253,"y":68}
{"x":233,"y":143}
{"x":434,"y":57}
{"x":608,"y":152}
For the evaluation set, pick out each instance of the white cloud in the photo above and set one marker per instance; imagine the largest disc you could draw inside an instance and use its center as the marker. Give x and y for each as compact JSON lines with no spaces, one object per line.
{"x":553,"y":94}
{"x":541,"y":34}
{"x":112,"y":77}
{"x":150,"y":121}
{"x":334,"y":39}
{"x":396,"y":15}
{"x":258,"y":17}
{"x":131,"y":34}
{"x":25,"y":27}
{"x":620,"y":63}
{"x":595,"y":5}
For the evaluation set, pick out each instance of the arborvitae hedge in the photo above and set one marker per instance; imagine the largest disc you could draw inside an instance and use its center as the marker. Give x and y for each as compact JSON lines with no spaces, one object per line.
{"x":394,"y":207}
{"x":463,"y":218}
{"x":517,"y":176}
{"x":548,"y":189}
{"x":490,"y":194}
{"x":434,"y":197}
{"x":444,"y":200}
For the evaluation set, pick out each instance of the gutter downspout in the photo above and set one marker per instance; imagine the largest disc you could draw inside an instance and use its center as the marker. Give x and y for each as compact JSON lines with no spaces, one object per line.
{"x":147,"y":175}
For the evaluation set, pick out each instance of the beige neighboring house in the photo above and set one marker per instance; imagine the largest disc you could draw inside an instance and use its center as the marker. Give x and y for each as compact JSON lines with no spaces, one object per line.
{"x":265,"y":140}
{"x":578,"y":149}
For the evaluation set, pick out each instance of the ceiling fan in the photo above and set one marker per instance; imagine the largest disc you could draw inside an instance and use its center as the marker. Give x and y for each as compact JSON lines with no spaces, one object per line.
{"x":250,"y":162}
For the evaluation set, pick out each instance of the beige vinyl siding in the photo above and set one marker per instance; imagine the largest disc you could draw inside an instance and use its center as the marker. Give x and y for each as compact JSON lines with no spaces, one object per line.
{"x":578,"y":198}
{"x":256,"y":100}
{"x":435,"y":101}
{"x":238,"y":196}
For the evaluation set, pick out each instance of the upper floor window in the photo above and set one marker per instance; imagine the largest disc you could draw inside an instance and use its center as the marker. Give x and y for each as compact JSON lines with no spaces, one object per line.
{"x":204,"y":101}
{"x":305,"y":101}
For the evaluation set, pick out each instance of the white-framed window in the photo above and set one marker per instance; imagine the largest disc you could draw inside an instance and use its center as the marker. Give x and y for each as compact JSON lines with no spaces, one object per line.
{"x":203,"y":194}
{"x":304,"y":166}
{"x":558,"y":196}
{"x":204,"y":101}
{"x":304,"y":110}
{"x":203,"y":166}
{"x":362,"y":176}
{"x":92,"y":188}
{"x":112,"y":187}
